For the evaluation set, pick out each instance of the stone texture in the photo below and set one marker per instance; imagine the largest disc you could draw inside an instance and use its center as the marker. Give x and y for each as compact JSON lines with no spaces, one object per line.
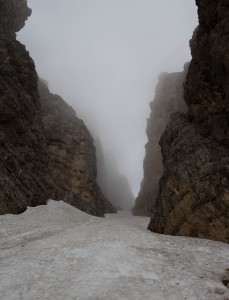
{"x":29,"y":173}
{"x":23,"y":180}
{"x":72,"y":160}
{"x":168,"y":99}
{"x":13,"y":15}
{"x":194,"y":188}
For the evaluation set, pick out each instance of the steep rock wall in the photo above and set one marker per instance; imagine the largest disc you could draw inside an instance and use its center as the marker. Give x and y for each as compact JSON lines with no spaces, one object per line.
{"x":72,"y":160}
{"x":23,"y":179}
{"x":194,"y":188}
{"x":25,"y":155}
{"x":169,"y":98}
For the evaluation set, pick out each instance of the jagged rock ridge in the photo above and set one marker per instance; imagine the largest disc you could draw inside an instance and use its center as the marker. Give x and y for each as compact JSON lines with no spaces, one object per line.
{"x":194,"y":188}
{"x":169,"y":98}
{"x":26,"y":177}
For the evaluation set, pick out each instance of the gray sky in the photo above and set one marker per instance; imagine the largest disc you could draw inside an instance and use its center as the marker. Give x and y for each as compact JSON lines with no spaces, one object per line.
{"x":104,"y":57}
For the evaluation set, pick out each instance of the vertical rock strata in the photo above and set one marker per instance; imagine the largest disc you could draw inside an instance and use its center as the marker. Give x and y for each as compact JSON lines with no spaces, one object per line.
{"x":23,"y":179}
{"x":30,"y":154}
{"x":194,"y":188}
{"x":168,"y":99}
{"x":71,"y":153}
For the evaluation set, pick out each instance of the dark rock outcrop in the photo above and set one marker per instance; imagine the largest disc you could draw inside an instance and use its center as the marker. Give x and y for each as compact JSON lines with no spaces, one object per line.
{"x":23,"y":179}
{"x":169,"y":98}
{"x":13,"y":15}
{"x":194,"y":188}
{"x":71,"y":153}
{"x":29,"y":173}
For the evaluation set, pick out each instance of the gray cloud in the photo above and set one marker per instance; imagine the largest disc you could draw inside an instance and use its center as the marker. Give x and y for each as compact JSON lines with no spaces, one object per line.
{"x":104,"y":56}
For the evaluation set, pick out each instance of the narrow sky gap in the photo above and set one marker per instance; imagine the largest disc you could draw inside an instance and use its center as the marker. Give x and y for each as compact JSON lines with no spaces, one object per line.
{"x":104,"y":57}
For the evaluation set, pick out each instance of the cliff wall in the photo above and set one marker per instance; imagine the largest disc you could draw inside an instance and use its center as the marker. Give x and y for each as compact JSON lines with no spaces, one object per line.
{"x":169,"y":98}
{"x":23,"y":179}
{"x":71,"y":153}
{"x":29,"y":154}
{"x":194,"y":188}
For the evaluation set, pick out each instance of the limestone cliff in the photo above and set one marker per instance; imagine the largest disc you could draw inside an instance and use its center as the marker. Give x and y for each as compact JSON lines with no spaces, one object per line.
{"x":71,"y":153}
{"x":23,"y":179}
{"x":29,"y":172}
{"x":168,"y":99}
{"x":194,"y":188}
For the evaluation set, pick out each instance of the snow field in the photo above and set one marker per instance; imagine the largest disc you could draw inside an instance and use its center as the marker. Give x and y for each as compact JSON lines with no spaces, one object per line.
{"x":58,"y":252}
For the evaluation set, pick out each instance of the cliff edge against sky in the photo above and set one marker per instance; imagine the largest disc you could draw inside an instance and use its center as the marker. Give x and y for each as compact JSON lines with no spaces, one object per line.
{"x":194,"y":187}
{"x":169,"y":98}
{"x":46,"y":151}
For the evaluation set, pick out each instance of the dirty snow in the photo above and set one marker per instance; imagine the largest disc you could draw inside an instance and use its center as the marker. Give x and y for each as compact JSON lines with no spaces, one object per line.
{"x":58,"y":252}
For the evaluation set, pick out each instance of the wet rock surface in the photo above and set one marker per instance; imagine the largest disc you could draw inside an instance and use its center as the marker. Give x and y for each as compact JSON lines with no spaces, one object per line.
{"x":194,"y":188}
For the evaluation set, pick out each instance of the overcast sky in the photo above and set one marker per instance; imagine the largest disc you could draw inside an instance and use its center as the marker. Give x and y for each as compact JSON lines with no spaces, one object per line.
{"x":104,"y":57}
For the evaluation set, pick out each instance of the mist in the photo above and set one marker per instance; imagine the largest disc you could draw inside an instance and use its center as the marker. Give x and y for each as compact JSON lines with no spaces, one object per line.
{"x":115,"y":186}
{"x":104,"y":57}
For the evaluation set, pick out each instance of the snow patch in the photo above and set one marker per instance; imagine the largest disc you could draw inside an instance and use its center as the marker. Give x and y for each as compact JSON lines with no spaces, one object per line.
{"x":58,"y":252}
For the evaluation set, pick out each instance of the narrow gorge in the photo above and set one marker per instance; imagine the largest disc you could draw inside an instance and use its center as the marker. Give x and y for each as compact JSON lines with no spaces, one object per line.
{"x":68,"y":228}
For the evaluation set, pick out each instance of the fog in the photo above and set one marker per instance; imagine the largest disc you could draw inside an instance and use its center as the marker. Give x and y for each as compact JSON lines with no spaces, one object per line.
{"x":104,"y":57}
{"x":115,"y":186}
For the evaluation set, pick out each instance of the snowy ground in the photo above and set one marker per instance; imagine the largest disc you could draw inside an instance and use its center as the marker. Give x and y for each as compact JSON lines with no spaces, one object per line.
{"x":57,"y":252}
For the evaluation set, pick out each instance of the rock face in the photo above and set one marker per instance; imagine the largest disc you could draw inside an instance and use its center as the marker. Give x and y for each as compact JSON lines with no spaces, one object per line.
{"x":169,"y":98}
{"x":13,"y":15}
{"x":23,"y":179}
{"x":194,"y":188}
{"x":28,"y":167}
{"x":71,"y":153}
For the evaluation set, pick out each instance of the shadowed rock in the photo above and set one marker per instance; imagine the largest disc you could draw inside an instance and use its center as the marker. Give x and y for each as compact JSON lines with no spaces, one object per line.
{"x":41,"y":149}
{"x":13,"y":15}
{"x":194,"y":188}
{"x":23,"y":177}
